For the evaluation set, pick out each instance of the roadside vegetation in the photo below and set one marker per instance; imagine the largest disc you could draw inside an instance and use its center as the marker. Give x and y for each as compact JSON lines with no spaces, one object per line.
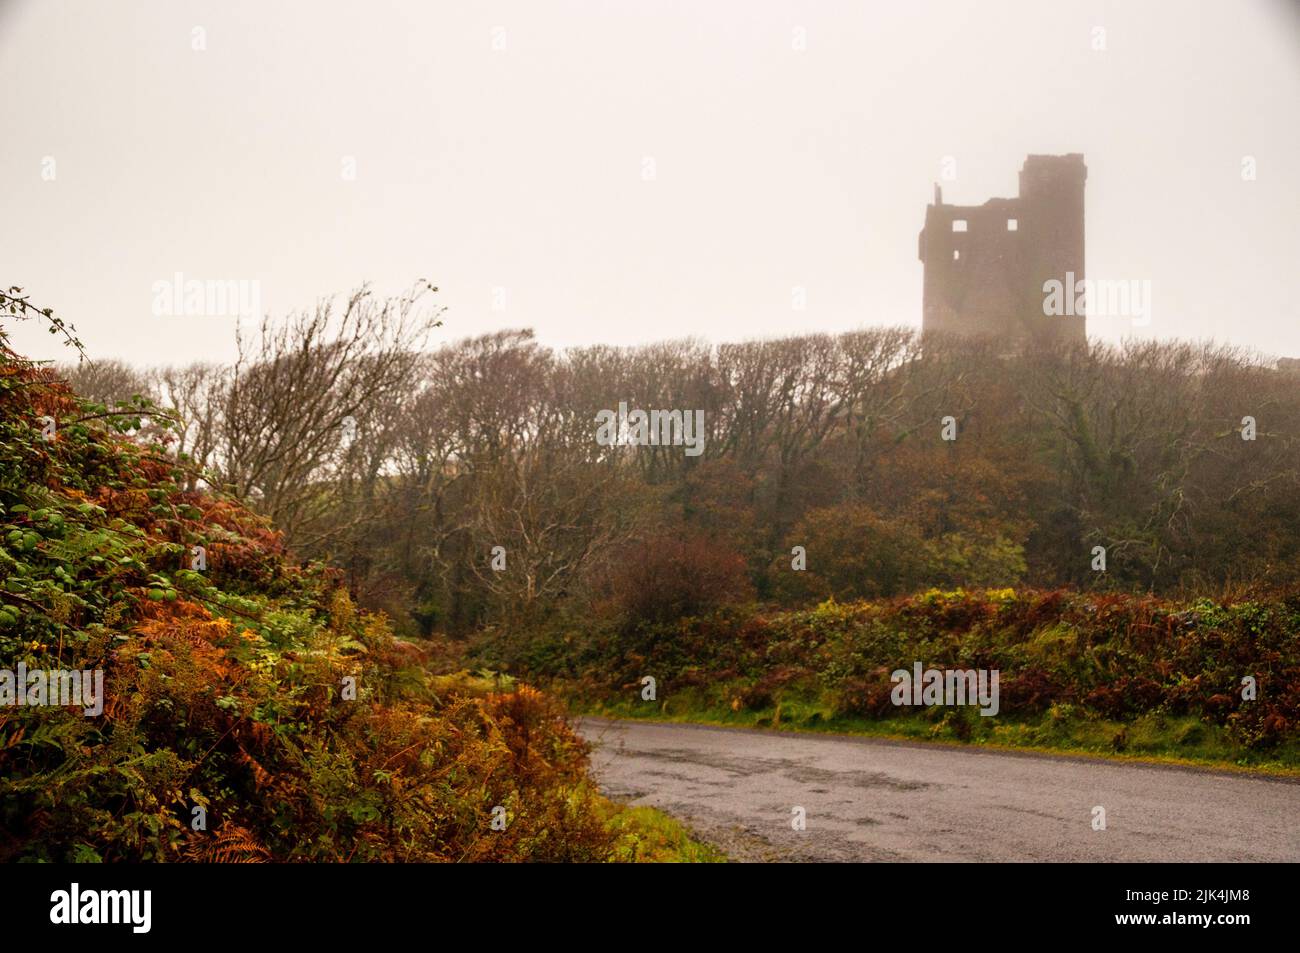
{"x":251,"y":711}
{"x":1113,"y":675}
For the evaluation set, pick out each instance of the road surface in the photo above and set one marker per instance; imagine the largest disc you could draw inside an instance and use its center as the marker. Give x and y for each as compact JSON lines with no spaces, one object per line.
{"x":871,"y":800}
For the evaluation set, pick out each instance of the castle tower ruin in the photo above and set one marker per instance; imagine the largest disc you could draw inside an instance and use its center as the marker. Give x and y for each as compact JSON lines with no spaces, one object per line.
{"x":985,"y":265}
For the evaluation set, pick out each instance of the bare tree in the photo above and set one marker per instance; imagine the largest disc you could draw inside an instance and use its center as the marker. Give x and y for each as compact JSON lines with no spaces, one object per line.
{"x":298,"y":391}
{"x":107,"y":381}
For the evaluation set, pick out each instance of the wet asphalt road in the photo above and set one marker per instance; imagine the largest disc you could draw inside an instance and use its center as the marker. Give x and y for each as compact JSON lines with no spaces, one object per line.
{"x":870,"y":800}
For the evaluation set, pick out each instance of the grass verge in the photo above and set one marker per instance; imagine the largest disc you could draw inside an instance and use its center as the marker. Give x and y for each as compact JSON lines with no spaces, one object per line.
{"x":647,"y":835}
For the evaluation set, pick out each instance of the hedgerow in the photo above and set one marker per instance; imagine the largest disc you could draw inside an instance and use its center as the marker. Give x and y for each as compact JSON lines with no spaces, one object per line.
{"x":1102,"y":656}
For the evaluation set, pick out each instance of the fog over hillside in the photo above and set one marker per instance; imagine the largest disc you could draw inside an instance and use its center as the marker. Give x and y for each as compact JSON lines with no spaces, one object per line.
{"x":635,"y":171}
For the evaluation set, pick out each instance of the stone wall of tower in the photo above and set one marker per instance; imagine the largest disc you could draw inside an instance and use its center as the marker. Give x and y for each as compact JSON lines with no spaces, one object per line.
{"x":985,"y":265}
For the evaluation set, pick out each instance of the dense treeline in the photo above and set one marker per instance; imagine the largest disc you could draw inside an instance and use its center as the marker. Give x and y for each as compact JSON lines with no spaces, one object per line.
{"x":407,"y":465}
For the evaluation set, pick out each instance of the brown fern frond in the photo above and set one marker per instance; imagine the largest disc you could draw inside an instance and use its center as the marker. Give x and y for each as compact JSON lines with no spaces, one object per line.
{"x":229,"y":844}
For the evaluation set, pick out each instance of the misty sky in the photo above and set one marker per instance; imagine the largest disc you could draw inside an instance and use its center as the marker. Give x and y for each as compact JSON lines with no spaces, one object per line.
{"x":522,"y":168}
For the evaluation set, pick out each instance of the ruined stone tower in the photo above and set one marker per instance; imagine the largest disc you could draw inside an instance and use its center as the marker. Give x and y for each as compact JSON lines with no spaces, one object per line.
{"x":985,"y":265}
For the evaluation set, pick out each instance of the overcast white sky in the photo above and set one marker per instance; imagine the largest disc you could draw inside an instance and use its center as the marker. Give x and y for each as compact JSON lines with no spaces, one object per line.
{"x":522,"y":168}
